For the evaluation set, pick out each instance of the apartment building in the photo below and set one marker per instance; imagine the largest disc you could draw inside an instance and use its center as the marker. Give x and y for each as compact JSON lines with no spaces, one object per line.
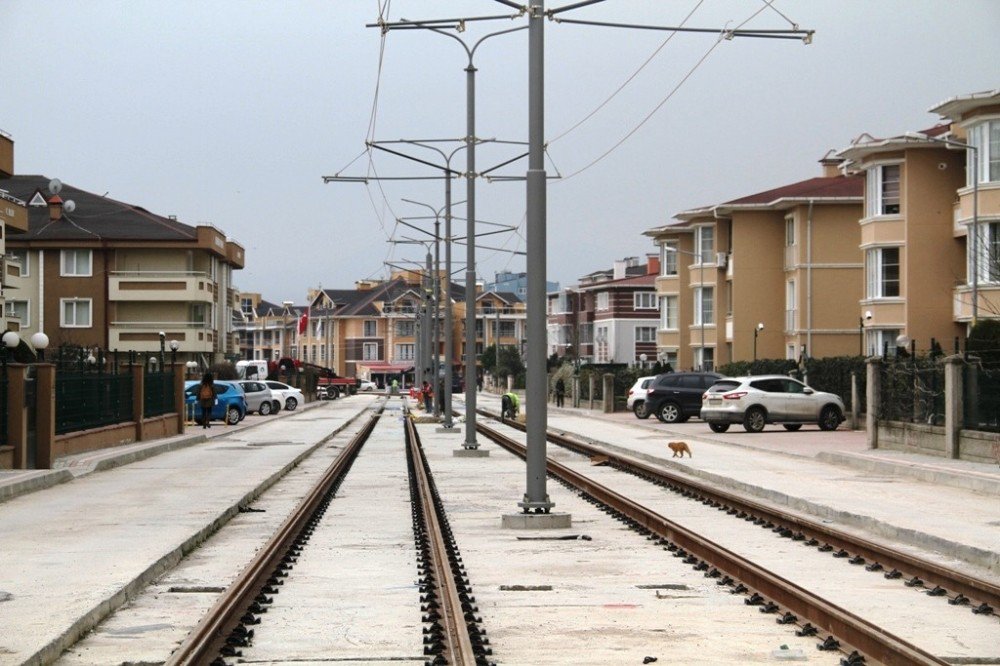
{"x":96,"y":272}
{"x":775,"y":274}
{"x":13,"y":220}
{"x":266,"y":329}
{"x":928,"y":276}
{"x":611,"y":316}
{"x":515,"y":283}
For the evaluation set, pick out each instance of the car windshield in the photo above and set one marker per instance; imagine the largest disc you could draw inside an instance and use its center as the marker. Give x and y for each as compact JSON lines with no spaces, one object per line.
{"x":723,"y":386}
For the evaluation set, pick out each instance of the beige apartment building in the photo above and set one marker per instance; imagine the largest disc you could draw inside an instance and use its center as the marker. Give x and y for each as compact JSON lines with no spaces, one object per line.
{"x":13,"y":220}
{"x":776,"y":274}
{"x":100,"y":273}
{"x":924,"y":274}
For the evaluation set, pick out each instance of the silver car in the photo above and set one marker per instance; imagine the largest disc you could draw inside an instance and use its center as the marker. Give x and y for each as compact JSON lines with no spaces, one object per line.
{"x":259,"y":397}
{"x":757,"y":401}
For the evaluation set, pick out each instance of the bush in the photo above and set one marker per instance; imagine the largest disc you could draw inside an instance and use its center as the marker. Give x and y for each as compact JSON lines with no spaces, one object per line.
{"x":224,"y":371}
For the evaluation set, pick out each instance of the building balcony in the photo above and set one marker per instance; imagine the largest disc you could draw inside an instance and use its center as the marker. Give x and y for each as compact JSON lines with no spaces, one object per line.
{"x":987,"y":300}
{"x":161,"y":286}
{"x":144,"y":336}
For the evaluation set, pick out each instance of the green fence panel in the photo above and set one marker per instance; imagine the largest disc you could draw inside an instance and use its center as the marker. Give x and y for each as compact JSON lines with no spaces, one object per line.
{"x":159,"y":394}
{"x":92,"y":400}
{"x":981,"y":399}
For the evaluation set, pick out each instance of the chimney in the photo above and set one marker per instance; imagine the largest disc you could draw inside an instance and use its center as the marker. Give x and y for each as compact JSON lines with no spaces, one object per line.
{"x":619,"y":269}
{"x":831,"y":164}
{"x":652,"y":264}
{"x":55,"y":207}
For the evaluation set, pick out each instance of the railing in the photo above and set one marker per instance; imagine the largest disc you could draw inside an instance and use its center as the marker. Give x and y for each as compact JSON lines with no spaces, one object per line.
{"x":912,"y":391}
{"x":981,"y":399}
{"x":91,"y":400}
{"x":158,"y":394}
{"x":158,"y":274}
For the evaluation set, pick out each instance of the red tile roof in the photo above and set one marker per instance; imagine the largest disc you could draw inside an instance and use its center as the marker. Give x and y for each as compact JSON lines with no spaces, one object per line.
{"x":836,"y":187}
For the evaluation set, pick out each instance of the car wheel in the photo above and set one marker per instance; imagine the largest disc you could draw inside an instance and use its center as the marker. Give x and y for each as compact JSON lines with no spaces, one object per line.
{"x":640,"y":411}
{"x":670,"y":413}
{"x":719,"y":427}
{"x":232,"y":416}
{"x":829,"y":418}
{"x":334,"y":393}
{"x":792,"y":426}
{"x":275,"y":406}
{"x":754,"y":419}
{"x":291,"y":404}
{"x":264,"y":409}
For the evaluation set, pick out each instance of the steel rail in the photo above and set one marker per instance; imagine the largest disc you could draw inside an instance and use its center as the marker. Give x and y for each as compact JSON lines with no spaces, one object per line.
{"x":872,"y":641}
{"x":932,"y":574}
{"x":207,"y":639}
{"x":457,"y":642}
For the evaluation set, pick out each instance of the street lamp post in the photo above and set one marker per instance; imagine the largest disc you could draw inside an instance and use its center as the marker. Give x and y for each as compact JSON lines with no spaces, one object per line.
{"x":756,"y":330}
{"x":40,"y":342}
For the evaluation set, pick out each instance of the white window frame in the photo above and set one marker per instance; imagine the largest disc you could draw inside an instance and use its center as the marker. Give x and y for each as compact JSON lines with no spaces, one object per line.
{"x":405,"y":351}
{"x":374,"y":325}
{"x":876,"y":282}
{"x":875,"y":201}
{"x":791,"y":305}
{"x":64,"y":269}
{"x":645,"y":334}
{"x":603,"y":301}
{"x":989,"y":253}
{"x":703,"y":296}
{"x":704,"y":243}
{"x":668,"y":259}
{"x":704,"y":358}
{"x":9,"y":311}
{"x":369,"y":351}
{"x":644,"y":300}
{"x":789,"y":231}
{"x":985,"y":136}
{"x":669,"y":313}
{"x":22,"y":256}
{"x":88,"y":302}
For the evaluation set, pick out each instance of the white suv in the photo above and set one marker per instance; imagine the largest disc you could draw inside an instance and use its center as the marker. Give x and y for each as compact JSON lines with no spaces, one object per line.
{"x":757,"y":401}
{"x":636,"y":401}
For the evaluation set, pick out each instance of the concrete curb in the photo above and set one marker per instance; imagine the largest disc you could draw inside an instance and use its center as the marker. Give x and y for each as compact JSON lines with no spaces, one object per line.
{"x":132,"y":588}
{"x":966,"y":479}
{"x":31,"y":481}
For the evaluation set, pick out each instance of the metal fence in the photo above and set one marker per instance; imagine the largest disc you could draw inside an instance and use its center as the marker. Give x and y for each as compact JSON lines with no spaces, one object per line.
{"x":3,"y":406}
{"x":158,"y":393}
{"x":91,"y":400}
{"x":911,"y":390}
{"x":981,"y":395}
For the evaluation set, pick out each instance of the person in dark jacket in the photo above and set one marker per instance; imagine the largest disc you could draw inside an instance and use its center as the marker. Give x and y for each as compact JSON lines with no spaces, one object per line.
{"x":560,"y":392}
{"x":206,"y":399}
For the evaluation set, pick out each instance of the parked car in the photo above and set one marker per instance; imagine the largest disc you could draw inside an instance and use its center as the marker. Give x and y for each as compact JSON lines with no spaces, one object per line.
{"x":230,"y":401}
{"x":675,"y":397}
{"x":636,"y":397}
{"x":367,"y":386}
{"x":757,"y":401}
{"x":260,"y":399}
{"x":291,"y":396}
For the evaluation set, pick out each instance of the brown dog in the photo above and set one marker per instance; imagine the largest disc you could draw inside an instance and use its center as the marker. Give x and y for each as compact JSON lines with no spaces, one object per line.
{"x":679,"y":448}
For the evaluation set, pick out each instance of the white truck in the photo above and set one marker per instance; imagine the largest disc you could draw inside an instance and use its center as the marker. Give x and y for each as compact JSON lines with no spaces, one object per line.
{"x":252,"y":370}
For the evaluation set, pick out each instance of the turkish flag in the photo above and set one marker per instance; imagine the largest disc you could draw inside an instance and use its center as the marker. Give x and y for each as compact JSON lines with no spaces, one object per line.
{"x":303,"y":322}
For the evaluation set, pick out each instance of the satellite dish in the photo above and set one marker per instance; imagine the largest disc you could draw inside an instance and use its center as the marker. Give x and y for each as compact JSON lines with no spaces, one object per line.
{"x":55,"y":186}
{"x":69,"y":206}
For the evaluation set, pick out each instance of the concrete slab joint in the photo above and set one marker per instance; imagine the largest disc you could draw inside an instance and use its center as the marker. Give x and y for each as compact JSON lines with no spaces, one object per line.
{"x":536,"y":521}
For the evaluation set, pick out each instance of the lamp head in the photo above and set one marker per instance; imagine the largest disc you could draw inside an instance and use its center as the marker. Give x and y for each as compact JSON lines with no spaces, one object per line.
{"x":11,"y":339}
{"x":868,"y":315}
{"x":40,"y":341}
{"x":760,"y":326}
{"x":174,"y":345}
{"x":163,"y":336}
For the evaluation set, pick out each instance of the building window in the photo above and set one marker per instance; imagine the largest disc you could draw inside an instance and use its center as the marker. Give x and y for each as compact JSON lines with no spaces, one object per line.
{"x":322,"y":352}
{"x":882,"y":272}
{"x":704,"y":306}
{"x":603,"y":301}
{"x":881,"y":340}
{"x":882,"y":190}
{"x":986,"y":138}
{"x":989,"y":254}
{"x":645,"y":334}
{"x":790,"y":305}
{"x":405,"y":329}
{"x":601,"y":351}
{"x":586,"y":334}
{"x":704,"y":358}
{"x":668,"y":259}
{"x":371,"y":328}
{"x":729,"y":298}
{"x":370,"y":351}
{"x":506,"y":329}
{"x":18,"y":310}
{"x":22,"y":257}
{"x":668,"y":313}
{"x":704,"y":242}
{"x":404,"y":352}
{"x":76,"y":263}
{"x":644,"y":300}
{"x":789,"y":231}
{"x":75,"y":312}
{"x":246,"y":306}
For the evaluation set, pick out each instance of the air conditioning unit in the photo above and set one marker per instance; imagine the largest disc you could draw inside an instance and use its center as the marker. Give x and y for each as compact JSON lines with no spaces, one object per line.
{"x":721,"y":259}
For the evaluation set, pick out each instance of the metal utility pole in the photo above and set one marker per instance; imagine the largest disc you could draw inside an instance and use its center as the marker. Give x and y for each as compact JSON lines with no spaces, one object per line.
{"x":536,"y":498}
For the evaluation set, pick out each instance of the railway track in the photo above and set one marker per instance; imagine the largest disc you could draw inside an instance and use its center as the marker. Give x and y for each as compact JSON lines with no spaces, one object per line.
{"x":452,"y":632}
{"x":773,"y":594}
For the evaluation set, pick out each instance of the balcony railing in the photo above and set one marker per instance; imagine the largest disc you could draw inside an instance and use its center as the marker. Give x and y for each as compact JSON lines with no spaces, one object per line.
{"x":144,"y":336}
{"x":160,"y":286}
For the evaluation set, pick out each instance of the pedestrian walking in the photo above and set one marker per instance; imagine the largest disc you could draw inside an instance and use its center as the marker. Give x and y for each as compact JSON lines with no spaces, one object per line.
{"x":560,"y":392}
{"x":206,"y":399}
{"x":428,"y":394}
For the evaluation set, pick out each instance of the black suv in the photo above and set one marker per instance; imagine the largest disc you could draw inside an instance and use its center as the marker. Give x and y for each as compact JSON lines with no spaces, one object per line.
{"x":676,"y":396}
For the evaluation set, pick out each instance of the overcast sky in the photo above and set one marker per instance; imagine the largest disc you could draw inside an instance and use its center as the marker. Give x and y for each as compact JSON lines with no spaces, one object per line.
{"x":229,"y":113}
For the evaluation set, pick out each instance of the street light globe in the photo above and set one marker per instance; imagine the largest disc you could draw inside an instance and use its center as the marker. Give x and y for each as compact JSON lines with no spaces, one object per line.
{"x":643,"y":357}
{"x":11,"y":339}
{"x":902,"y":340}
{"x":174,"y":345}
{"x":760,"y":326}
{"x":38,"y":341}
{"x":191,"y":365}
